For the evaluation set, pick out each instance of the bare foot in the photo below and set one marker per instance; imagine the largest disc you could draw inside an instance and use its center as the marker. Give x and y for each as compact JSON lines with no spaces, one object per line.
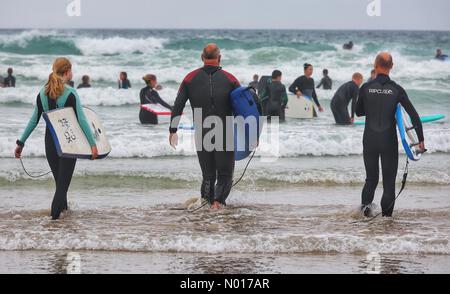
{"x":216,"y":205}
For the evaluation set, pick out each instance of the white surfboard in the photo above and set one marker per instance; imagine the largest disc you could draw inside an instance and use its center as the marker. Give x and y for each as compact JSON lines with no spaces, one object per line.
{"x":156,"y":109}
{"x":69,"y":138}
{"x":299,"y":107}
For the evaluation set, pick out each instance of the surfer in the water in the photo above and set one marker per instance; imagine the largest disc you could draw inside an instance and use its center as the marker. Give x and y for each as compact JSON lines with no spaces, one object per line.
{"x":378,"y":101}
{"x":326,"y":81}
{"x":208,"y":90}
{"x":55,"y":94}
{"x":373,"y":75}
{"x":304,"y":86}
{"x":255,"y":83}
{"x":346,"y":93}
{"x":276,"y":96}
{"x":10,"y":80}
{"x":149,"y":95}
{"x":440,"y":55}
{"x":85,"y":82}
{"x":123,"y":82}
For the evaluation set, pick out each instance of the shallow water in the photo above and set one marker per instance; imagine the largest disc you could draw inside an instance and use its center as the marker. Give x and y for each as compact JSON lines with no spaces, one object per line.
{"x":295,"y":211}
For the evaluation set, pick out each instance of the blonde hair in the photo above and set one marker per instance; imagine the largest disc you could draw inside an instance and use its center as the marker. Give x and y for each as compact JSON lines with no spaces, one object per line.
{"x":55,"y":84}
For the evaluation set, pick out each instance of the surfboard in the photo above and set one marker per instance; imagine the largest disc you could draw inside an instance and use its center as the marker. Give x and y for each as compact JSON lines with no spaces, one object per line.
{"x":424,"y":119}
{"x":70,"y":140}
{"x":408,"y":135}
{"x":247,"y":127}
{"x":300,"y":107}
{"x":156,"y":109}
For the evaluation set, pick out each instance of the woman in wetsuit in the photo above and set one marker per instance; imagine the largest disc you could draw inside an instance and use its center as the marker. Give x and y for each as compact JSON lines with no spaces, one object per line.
{"x":304,"y":85}
{"x":57,"y":94}
{"x":149,"y":95}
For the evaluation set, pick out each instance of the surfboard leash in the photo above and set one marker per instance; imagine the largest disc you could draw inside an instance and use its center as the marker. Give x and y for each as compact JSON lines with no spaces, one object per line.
{"x":405,"y":177}
{"x":30,"y":175}
{"x":234,"y":184}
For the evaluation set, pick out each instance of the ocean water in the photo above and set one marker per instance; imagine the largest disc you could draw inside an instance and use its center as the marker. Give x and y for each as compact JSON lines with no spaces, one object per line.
{"x":298,"y":204}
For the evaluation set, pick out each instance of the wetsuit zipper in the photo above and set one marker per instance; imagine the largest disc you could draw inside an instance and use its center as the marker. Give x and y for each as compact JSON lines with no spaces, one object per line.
{"x":211,"y":93}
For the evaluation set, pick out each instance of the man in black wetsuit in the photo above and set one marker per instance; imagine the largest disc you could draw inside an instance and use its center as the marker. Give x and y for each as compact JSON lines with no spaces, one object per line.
{"x":304,"y":85}
{"x":10,"y":80}
{"x":85,"y":82}
{"x":149,"y":95}
{"x":373,"y":75}
{"x":348,"y":46}
{"x":440,"y":55}
{"x":378,"y":101}
{"x":255,"y":83}
{"x":208,"y":91}
{"x":276,"y":96}
{"x":326,"y":81}
{"x":346,"y":93}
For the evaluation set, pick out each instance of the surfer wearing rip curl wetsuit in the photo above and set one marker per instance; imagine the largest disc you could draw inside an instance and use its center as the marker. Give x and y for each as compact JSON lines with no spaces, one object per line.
{"x":378,"y":102}
{"x":208,"y":90}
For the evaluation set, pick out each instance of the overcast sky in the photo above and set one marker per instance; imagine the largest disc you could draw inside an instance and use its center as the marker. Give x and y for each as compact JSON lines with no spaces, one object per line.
{"x":230,"y":14}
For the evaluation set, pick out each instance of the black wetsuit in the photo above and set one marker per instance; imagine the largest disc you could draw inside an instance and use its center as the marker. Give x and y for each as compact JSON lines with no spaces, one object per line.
{"x":378,"y":101}
{"x":62,"y":168}
{"x":276,"y":99}
{"x":254,"y":85}
{"x":326,"y":82}
{"x":10,"y":81}
{"x":441,"y":57}
{"x":339,"y":104}
{"x":306,"y":86}
{"x":150,"y":96}
{"x":209,"y":89}
{"x":125,"y":84}
{"x":83,"y":85}
{"x":263,"y":82}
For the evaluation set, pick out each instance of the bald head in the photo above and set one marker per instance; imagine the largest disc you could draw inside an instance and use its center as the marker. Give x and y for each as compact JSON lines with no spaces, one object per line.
{"x":211,"y":51}
{"x":384,"y":61}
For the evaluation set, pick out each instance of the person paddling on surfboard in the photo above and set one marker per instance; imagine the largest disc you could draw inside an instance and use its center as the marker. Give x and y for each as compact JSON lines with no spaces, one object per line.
{"x":149,"y":95}
{"x":440,"y":55}
{"x":378,"y":102}
{"x":56,"y":94}
{"x":304,"y":85}
{"x":208,"y":91}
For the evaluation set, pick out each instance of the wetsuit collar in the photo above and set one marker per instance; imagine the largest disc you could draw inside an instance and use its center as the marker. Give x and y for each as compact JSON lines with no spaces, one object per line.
{"x":211,"y":69}
{"x":382,"y":78}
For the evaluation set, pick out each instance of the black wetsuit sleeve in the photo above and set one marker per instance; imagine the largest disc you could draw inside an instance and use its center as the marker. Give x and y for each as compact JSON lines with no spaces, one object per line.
{"x":415,"y":119}
{"x":321,"y":83}
{"x":180,"y":103}
{"x":295,"y":86}
{"x":360,"y":103}
{"x":314,"y":96}
{"x":142,"y":96}
{"x":72,"y":102}
{"x":161,"y":101}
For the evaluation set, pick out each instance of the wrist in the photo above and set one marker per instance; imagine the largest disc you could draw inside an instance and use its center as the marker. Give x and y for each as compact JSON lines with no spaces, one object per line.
{"x":20,"y":143}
